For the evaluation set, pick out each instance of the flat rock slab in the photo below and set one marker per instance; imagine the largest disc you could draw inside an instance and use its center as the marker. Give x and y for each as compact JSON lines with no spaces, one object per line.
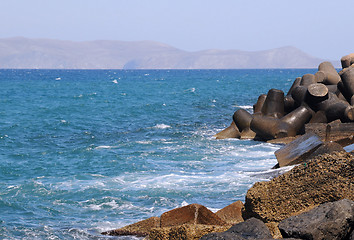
{"x":333,"y":220}
{"x":297,"y":151}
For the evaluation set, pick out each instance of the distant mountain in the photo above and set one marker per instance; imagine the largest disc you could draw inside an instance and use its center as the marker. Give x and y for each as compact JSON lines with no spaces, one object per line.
{"x":27,"y":53}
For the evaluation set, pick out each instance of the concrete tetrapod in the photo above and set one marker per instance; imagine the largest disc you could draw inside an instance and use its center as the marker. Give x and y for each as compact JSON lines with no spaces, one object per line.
{"x":274,"y":104}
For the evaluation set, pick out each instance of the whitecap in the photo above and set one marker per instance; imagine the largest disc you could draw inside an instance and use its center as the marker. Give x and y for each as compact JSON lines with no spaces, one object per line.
{"x":190,"y":90}
{"x":104,"y":147}
{"x":245,"y":106}
{"x":115,"y":81}
{"x":162,"y":126}
{"x":144,"y":142}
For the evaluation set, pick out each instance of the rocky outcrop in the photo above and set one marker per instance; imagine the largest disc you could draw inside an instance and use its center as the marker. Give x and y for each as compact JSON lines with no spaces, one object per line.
{"x":251,"y":229}
{"x":332,"y":221}
{"x":326,"y":178}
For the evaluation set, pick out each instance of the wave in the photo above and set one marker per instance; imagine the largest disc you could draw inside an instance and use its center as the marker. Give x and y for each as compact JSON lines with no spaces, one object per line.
{"x":162,"y":126}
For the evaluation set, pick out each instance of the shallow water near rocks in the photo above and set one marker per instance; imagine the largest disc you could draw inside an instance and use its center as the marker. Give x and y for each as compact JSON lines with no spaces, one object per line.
{"x":86,"y":151}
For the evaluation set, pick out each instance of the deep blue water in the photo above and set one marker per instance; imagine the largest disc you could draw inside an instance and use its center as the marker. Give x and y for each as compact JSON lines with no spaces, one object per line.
{"x":85,"y":151}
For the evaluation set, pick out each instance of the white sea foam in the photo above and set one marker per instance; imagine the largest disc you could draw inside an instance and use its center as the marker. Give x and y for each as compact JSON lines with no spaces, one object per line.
{"x":105,"y":147}
{"x":162,"y":126}
{"x":144,"y":142}
{"x":190,"y":90}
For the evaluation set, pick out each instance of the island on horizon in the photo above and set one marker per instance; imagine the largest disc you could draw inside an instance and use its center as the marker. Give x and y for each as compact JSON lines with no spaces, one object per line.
{"x":26,"y":53}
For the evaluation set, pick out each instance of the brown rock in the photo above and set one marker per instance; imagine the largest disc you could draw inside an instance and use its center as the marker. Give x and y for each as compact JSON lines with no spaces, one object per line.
{"x":274,"y":229}
{"x":191,"y":214}
{"x":185,"y":232}
{"x":141,"y":228}
{"x":229,"y":132}
{"x":232,"y":213}
{"x":326,"y":178}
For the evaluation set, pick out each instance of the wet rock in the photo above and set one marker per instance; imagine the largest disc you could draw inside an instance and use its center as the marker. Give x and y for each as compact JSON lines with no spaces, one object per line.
{"x":333,"y":220}
{"x":251,"y":229}
{"x":232,"y":213}
{"x":191,"y":214}
{"x":141,"y":228}
{"x":325,"y":178}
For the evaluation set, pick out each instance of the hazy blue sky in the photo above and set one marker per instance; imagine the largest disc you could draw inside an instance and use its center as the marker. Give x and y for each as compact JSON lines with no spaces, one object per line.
{"x":321,"y":28}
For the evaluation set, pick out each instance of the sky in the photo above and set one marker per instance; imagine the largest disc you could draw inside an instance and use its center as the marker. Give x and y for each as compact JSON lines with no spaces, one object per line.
{"x":322,"y":29}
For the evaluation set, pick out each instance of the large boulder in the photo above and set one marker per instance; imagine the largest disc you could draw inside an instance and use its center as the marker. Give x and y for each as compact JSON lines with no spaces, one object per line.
{"x":332,"y":221}
{"x":251,"y":229}
{"x":326,"y":178}
{"x":232,"y":213}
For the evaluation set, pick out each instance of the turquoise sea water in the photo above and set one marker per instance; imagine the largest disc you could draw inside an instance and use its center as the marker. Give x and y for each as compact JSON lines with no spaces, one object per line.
{"x":85,"y":151}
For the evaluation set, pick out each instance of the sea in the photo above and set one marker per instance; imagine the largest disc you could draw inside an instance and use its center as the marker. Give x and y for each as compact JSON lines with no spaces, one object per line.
{"x":87,"y":151}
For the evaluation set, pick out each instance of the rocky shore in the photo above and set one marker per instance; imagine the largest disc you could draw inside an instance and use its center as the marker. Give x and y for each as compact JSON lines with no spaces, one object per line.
{"x":315,"y":199}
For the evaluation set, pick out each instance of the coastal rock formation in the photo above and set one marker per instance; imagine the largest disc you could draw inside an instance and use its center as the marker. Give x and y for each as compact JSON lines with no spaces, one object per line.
{"x":332,"y":221}
{"x":326,"y":178}
{"x":188,"y":222}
